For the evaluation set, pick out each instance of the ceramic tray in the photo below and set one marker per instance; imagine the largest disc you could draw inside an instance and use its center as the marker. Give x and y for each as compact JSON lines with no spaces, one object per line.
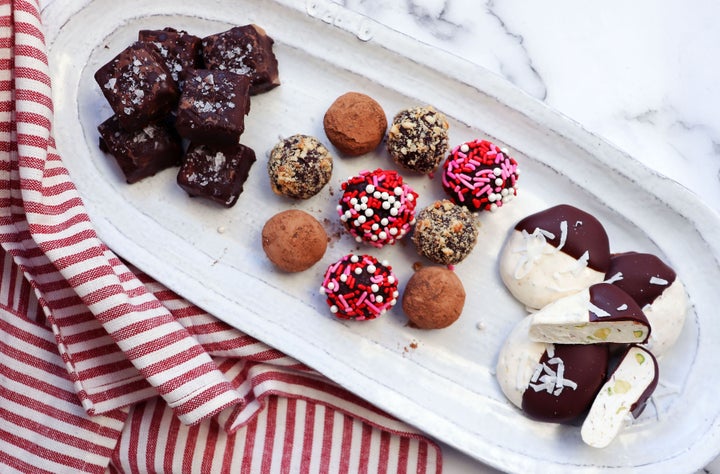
{"x":440,"y":381}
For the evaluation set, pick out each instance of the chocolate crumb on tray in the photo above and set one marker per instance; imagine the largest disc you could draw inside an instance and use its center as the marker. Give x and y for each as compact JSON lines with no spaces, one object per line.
{"x":138,"y":86}
{"x":143,"y":152}
{"x":213,"y":106}
{"x":245,"y":50}
{"x":216,"y":172}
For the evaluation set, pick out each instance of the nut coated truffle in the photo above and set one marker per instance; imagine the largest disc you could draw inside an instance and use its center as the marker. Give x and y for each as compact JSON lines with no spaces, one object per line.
{"x":445,"y":233}
{"x":418,"y":139}
{"x":433,"y":298}
{"x":355,"y":123}
{"x":359,"y":287}
{"x":479,"y":175}
{"x":377,"y":207}
{"x":299,"y":167}
{"x":294,"y":240}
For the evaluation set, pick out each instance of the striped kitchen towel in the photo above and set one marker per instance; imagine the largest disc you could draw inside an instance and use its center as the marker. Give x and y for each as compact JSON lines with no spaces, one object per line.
{"x":105,"y":370}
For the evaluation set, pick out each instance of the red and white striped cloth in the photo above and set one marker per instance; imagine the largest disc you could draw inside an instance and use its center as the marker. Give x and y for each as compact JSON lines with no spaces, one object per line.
{"x":103,"y":369}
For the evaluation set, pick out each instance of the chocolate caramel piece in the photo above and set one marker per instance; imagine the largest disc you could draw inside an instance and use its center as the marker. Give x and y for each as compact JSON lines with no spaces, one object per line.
{"x":143,"y":152}
{"x":213,"y":106}
{"x":245,"y":50}
{"x":180,"y":50}
{"x":215,"y":172}
{"x":138,"y":86}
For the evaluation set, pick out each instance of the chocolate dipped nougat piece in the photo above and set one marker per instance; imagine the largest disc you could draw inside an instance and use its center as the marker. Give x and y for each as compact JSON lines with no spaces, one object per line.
{"x":601,"y":313}
{"x":213,"y":106}
{"x":625,"y":394}
{"x":658,"y":291}
{"x":554,"y":253}
{"x":141,"y":153}
{"x":216,"y":172}
{"x":245,"y":50}
{"x":180,"y":50}
{"x":550,"y":382}
{"x":138,"y":86}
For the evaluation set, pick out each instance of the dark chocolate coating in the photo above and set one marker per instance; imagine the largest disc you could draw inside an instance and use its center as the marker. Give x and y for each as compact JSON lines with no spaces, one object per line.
{"x":610,"y":298}
{"x":637,"y":269}
{"x":245,"y":50}
{"x":180,"y":50}
{"x":213,"y":106}
{"x":141,"y":153}
{"x":584,"y":233}
{"x":639,"y":406}
{"x":138,"y":86}
{"x":216,"y":172}
{"x":586,"y":365}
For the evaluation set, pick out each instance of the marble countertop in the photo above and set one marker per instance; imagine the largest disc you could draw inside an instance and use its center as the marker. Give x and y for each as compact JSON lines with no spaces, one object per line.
{"x":635,"y":73}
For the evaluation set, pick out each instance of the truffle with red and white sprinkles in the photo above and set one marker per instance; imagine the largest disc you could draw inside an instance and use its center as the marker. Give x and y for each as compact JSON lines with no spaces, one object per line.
{"x":480,"y":176}
{"x":377,"y":207}
{"x":359,"y":287}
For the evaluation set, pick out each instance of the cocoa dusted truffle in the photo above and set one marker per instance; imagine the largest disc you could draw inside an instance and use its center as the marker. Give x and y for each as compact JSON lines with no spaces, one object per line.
{"x":213,"y":106}
{"x":294,"y":240}
{"x":355,"y":123}
{"x":138,"y":86}
{"x":377,"y":207}
{"x":245,"y":50}
{"x":433,"y":298}
{"x":359,"y":287}
{"x":418,"y":138}
{"x":445,"y":233}
{"x":480,"y":175}
{"x":217,"y":173}
{"x":299,"y":167}
{"x":143,"y":152}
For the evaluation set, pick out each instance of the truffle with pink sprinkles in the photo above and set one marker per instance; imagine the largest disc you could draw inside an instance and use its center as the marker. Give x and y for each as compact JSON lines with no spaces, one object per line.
{"x":377,"y":207}
{"x":480,"y":176}
{"x":359,"y":287}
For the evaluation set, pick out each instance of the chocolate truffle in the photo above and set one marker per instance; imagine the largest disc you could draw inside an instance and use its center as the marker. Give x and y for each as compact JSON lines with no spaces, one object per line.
{"x":554,"y":253}
{"x":355,"y":123}
{"x":377,"y":207}
{"x":179,"y":49}
{"x":550,"y":382}
{"x":216,"y":172}
{"x":213,"y":106}
{"x":359,"y":287}
{"x":245,"y":50}
{"x":138,"y":86}
{"x":658,"y":291}
{"x":479,"y":175}
{"x":299,"y":167}
{"x":433,"y":298}
{"x":418,"y":138}
{"x":294,"y":240}
{"x":143,"y":152}
{"x":445,"y":233}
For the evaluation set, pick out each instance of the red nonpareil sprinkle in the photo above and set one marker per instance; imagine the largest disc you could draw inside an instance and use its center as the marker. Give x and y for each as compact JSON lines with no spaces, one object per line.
{"x":359,"y":287}
{"x":479,"y":175}
{"x":377,"y":207}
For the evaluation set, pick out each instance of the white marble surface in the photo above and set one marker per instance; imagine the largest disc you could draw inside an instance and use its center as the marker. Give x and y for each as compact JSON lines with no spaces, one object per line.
{"x":640,"y":74}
